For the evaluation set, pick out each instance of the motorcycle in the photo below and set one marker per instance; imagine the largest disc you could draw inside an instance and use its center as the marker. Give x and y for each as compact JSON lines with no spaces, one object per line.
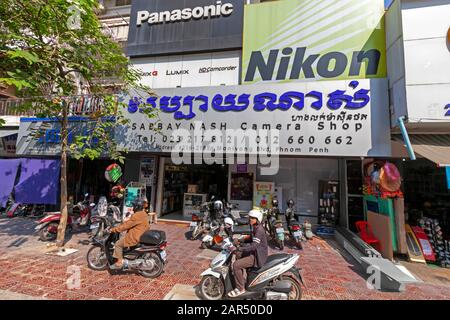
{"x":82,"y":210}
{"x":104,"y":209}
{"x":295,"y":230}
{"x":198,"y":224}
{"x":274,"y":224}
{"x":148,"y":258}
{"x":47,"y":227}
{"x":278,"y":279}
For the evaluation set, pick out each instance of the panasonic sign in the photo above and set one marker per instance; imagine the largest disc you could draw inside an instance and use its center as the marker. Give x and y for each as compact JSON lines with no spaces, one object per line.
{"x":186,"y":14}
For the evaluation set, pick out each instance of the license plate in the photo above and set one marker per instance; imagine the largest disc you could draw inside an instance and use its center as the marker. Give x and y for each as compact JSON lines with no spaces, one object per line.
{"x":297,"y":234}
{"x":193,"y":224}
{"x":280,"y":230}
{"x":163,"y":255}
{"x":94,"y":226}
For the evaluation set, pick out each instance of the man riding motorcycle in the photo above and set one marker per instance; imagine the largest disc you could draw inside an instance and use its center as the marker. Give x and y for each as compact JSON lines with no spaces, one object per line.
{"x":135,"y":226}
{"x":254,"y":254}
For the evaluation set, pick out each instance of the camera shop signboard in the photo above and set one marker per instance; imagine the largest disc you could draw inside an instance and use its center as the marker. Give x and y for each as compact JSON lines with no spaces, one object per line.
{"x":42,"y":136}
{"x":302,"y":40}
{"x":162,"y":27}
{"x":337,"y":118}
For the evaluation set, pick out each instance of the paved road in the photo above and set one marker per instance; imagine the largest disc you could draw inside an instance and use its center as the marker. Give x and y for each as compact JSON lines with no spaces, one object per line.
{"x":25,"y":269}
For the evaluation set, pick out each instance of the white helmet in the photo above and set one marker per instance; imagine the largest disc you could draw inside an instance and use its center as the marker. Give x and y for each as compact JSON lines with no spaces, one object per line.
{"x":256,"y":214}
{"x":229,"y":221}
{"x":218,"y":205}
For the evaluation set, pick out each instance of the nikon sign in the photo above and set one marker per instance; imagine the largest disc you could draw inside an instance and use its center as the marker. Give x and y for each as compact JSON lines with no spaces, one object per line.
{"x":304,"y":40}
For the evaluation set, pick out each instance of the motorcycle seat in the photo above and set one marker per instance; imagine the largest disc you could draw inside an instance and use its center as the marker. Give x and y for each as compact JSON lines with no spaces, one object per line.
{"x":242,"y":229}
{"x":242,"y":221}
{"x":272,"y":261}
{"x":153,"y":237}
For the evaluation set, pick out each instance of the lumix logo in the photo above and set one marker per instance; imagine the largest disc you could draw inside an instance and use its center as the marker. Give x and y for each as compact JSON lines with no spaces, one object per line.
{"x":304,"y":62}
{"x":176,"y":72}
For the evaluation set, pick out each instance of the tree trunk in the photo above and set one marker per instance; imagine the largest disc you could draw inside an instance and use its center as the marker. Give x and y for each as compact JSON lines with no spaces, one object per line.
{"x":63,"y":181}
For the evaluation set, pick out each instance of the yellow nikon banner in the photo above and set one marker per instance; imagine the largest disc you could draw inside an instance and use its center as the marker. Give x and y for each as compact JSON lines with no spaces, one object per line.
{"x":308,"y":40}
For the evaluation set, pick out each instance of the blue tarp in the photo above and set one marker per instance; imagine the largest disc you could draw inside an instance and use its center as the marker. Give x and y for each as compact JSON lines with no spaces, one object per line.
{"x":39,"y":181}
{"x":8,"y":172}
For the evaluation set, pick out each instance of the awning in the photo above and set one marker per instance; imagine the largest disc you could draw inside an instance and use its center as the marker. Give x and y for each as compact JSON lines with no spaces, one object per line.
{"x":434,"y":147}
{"x":5,"y":133}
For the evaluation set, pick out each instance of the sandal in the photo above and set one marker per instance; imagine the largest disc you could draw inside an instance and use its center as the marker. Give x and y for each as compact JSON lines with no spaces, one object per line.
{"x":235,"y":293}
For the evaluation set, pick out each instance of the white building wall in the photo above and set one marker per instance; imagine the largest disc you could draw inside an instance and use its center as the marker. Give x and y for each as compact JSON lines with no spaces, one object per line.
{"x":427,"y":59}
{"x":395,"y":62}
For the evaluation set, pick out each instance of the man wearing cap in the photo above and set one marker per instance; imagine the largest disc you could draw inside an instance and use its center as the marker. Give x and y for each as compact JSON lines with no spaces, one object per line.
{"x":135,"y":226}
{"x":254,"y":254}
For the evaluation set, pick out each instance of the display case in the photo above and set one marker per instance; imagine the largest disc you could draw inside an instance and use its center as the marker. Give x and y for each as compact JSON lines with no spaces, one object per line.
{"x":192,"y":203}
{"x":328,"y":203}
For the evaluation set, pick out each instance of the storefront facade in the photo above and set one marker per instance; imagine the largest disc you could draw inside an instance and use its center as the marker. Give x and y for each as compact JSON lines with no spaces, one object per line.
{"x":418,"y":53}
{"x":323,"y":114}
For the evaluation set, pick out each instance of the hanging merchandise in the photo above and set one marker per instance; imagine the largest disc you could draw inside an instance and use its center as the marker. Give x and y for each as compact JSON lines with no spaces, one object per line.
{"x":440,"y":246}
{"x":113,"y":172}
{"x":390,"y":179}
{"x":382,"y":180}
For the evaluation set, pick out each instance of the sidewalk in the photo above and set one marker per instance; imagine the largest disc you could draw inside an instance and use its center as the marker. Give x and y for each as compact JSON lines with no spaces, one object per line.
{"x":328,"y":271}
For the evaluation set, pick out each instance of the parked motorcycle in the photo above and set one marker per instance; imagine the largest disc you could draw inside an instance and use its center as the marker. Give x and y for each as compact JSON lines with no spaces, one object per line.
{"x":148,"y":258}
{"x":198,"y":224}
{"x":216,"y":235}
{"x":104,"y":209}
{"x":294,"y":227}
{"x":82,"y":211}
{"x":278,"y":279}
{"x":274,"y":224}
{"x":47,"y":227}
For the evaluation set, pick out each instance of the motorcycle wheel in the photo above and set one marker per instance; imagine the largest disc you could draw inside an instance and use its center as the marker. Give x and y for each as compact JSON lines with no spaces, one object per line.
{"x":296,"y":291}
{"x":96,"y":259}
{"x":211,"y":288}
{"x":195,"y":233}
{"x":45,"y":235}
{"x":204,"y":246}
{"x":157,"y":270}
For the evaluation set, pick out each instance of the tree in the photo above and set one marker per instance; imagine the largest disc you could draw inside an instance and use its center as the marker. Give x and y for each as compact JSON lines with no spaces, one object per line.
{"x":55,"y":50}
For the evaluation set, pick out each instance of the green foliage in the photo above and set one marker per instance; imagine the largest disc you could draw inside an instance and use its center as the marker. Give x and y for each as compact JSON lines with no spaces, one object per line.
{"x":58,"y":48}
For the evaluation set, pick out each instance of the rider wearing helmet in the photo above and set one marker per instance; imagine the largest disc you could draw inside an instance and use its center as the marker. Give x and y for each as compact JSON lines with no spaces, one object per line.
{"x":254,"y":254}
{"x":135,"y":226}
{"x":229,"y":223}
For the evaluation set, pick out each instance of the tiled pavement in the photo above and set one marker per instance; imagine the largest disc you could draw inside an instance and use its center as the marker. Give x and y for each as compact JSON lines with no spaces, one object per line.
{"x":24,"y":269}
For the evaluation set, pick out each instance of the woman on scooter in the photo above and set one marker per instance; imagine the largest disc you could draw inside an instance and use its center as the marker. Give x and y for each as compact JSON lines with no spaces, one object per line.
{"x":254,"y":254}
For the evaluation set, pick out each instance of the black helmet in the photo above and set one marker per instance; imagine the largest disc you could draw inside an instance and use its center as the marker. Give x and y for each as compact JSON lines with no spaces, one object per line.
{"x":275,"y":203}
{"x":138,"y":205}
{"x":290,"y":203}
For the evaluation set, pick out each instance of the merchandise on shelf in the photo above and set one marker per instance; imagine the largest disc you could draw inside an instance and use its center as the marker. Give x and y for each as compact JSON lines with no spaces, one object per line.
{"x":440,"y":246}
